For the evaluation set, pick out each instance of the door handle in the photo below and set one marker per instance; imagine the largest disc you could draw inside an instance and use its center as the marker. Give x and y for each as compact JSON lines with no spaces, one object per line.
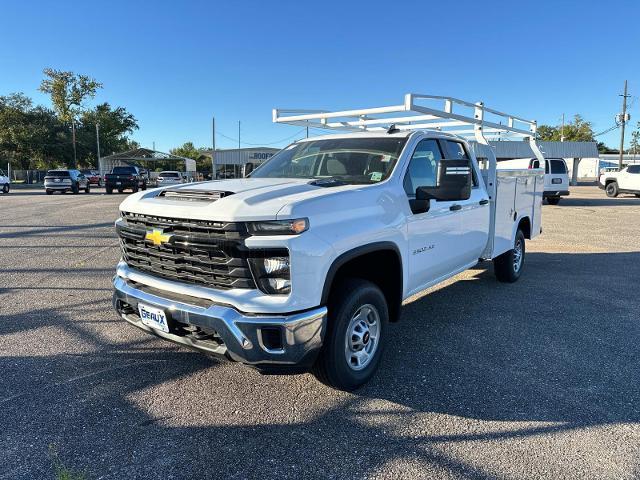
{"x":484,"y":201}
{"x":455,"y":207}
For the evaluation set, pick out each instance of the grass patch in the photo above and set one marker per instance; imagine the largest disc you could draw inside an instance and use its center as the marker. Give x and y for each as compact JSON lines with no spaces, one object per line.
{"x":61,"y":471}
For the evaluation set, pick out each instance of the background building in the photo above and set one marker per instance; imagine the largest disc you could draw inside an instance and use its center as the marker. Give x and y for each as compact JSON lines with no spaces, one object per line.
{"x":230,"y":163}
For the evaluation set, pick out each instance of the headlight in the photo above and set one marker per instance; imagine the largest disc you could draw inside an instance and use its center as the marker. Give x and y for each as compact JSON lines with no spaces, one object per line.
{"x":272,"y":274}
{"x":279,"y":227}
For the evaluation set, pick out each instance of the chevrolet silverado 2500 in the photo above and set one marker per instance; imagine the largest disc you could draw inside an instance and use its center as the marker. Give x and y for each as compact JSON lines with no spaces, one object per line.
{"x":305,"y":263}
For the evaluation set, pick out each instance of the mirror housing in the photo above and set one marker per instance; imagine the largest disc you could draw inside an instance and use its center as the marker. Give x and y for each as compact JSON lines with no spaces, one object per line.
{"x":455,"y":179}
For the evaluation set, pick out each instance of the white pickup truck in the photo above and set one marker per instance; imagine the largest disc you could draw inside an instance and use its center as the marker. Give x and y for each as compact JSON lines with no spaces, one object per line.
{"x":626,"y":180}
{"x":305,"y":263}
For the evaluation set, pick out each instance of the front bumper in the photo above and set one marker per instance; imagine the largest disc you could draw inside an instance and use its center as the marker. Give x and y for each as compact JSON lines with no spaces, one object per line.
{"x":555,"y":193}
{"x":251,"y":339}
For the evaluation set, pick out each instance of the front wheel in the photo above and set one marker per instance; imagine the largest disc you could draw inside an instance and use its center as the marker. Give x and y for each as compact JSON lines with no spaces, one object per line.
{"x":356,"y":335}
{"x":553,"y":200}
{"x":612,"y":189}
{"x":109,"y":191}
{"x":144,"y":186}
{"x":49,"y":192}
{"x":5,"y":188}
{"x":508,"y":266}
{"x":76,"y":188}
{"x":87,"y":188}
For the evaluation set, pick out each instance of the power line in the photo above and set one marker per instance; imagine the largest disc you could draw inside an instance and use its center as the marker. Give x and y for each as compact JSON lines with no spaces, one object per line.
{"x":235,"y":140}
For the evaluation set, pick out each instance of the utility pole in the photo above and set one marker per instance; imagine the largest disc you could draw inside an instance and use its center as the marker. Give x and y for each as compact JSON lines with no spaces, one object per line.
{"x":239,"y":157}
{"x":213,"y":148}
{"x":98,"y":143}
{"x":623,"y":121}
{"x":562,"y":129}
{"x":153,"y":146}
{"x":73,"y":137}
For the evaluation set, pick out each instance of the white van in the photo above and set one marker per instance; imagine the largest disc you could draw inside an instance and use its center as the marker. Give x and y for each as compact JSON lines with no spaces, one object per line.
{"x":556,"y":175}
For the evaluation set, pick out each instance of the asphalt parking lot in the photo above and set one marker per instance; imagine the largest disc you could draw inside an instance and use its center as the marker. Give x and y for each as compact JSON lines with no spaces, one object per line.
{"x":538,"y":379}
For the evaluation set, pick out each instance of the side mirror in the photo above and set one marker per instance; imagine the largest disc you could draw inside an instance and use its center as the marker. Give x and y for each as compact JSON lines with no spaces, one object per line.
{"x":422,"y":202}
{"x":455,"y":179}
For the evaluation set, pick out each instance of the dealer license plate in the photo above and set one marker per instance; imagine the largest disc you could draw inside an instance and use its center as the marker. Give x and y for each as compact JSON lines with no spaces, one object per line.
{"x":153,"y":317}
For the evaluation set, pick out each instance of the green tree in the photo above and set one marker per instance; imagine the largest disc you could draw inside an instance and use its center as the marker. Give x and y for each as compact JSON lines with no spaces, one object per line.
{"x":68,"y":92}
{"x":188,"y":150}
{"x":114,"y":125}
{"x":634,"y":146}
{"x":577,"y":130}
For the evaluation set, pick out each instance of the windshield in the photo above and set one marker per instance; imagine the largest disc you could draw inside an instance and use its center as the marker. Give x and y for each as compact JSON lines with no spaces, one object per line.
{"x":349,"y":160}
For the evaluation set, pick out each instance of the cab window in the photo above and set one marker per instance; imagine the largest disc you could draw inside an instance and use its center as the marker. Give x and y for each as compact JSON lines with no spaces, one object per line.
{"x":456,"y":151}
{"x":423,"y":166}
{"x":633,"y":169}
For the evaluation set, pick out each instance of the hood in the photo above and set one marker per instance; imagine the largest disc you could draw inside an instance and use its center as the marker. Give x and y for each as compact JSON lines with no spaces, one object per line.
{"x":229,"y":200}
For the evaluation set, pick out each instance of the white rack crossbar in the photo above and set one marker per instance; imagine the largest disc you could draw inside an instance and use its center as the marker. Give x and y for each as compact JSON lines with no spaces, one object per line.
{"x":473,"y":121}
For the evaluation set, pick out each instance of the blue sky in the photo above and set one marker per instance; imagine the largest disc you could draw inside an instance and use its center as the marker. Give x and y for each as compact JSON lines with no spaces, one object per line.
{"x":175,"y":64}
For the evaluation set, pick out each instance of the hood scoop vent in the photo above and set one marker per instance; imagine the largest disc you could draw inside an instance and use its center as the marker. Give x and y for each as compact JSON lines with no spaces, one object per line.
{"x":194,"y":195}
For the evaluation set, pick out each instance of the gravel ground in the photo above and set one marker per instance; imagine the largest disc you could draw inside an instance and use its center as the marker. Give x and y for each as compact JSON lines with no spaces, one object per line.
{"x":538,"y":379}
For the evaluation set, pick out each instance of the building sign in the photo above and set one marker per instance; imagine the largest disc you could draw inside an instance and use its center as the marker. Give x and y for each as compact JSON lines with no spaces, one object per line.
{"x":260,"y":156}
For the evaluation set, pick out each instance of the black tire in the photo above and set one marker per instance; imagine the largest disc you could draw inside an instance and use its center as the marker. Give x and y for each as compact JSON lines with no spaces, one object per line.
{"x":506,"y":267}
{"x":109,"y":191}
{"x":87,"y":189}
{"x":49,"y":192}
{"x":553,"y":200}
{"x":99,"y":183}
{"x":5,"y":188}
{"x":349,"y":297}
{"x":135,"y":189}
{"x":120,"y":190}
{"x":76,"y":188}
{"x":612,"y":189}
{"x":144,"y":186}
{"x":637,"y":195}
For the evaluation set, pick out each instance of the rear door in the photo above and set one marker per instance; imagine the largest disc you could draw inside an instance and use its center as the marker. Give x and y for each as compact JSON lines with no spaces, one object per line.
{"x":556,"y":175}
{"x":629,"y":178}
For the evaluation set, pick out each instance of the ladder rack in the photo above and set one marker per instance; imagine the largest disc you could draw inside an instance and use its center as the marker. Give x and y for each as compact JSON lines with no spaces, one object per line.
{"x":473,"y":121}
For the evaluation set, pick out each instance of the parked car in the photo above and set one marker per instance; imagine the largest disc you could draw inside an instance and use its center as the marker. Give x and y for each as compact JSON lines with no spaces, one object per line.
{"x":65,"y":181}
{"x":556,"y":175}
{"x":169,"y":178}
{"x":93,"y":176}
{"x":626,"y":180}
{"x":305,"y":263}
{"x":5,"y":182}
{"x":123,"y":178}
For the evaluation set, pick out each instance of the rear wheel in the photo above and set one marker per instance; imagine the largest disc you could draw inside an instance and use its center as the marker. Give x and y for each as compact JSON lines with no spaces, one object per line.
{"x":109,"y":191}
{"x":120,"y":190}
{"x":612,"y":189}
{"x":49,"y":192}
{"x":508,"y":266}
{"x":637,"y":195}
{"x":553,"y":200}
{"x":144,"y":186}
{"x":5,"y":188}
{"x":87,"y":188}
{"x":356,"y":335}
{"x":76,"y":188}
{"x":135,"y":189}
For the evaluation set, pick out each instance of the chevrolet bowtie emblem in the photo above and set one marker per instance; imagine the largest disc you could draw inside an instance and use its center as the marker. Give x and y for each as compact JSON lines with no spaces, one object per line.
{"x":156,"y":237}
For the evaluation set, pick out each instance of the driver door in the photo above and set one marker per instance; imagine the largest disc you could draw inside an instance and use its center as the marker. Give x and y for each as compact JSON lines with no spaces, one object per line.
{"x":432,"y":234}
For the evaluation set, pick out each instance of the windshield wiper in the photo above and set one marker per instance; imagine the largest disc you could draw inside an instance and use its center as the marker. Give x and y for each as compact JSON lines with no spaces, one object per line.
{"x":328,"y":182}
